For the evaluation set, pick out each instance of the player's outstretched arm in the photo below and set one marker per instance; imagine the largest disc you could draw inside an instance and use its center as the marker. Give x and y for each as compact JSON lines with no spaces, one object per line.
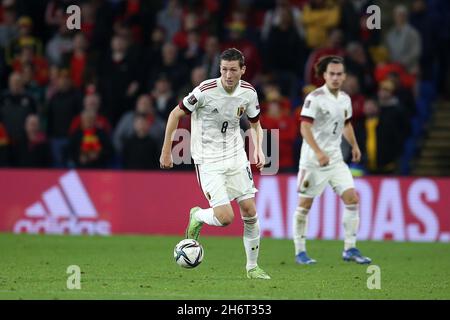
{"x":305,"y":130}
{"x":257,"y":137}
{"x":349,"y":135}
{"x":166,"y":161}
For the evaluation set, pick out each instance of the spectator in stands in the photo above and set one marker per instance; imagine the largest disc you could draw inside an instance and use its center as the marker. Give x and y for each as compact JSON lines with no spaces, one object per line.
{"x":349,"y":19}
{"x":91,"y":102}
{"x":211,"y":58}
{"x":368,"y":133}
{"x":272,"y":18}
{"x":78,"y":61}
{"x":32,"y":87}
{"x":89,"y":147}
{"x":288,"y":62}
{"x":192,"y":54}
{"x":404,"y":41}
{"x":385,"y":67}
{"x":352,"y":88}
{"x":171,"y":66}
{"x":15,"y":106}
{"x":125,"y":127}
{"x":404,"y":94}
{"x":392,"y":127}
{"x":198,"y":74}
{"x":60,"y":43}
{"x":8,"y":28}
{"x":276,"y":118}
{"x":52,"y":86}
{"x":236,"y":38}
{"x":153,"y":51}
{"x":169,"y":19}
{"x":62,"y":107}
{"x":140,"y":151}
{"x":163,"y":96}
{"x":358,"y":63}
{"x":272,"y":92}
{"x":118,"y":76}
{"x":27,"y":55}
{"x":319,"y":17}
{"x":332,"y":47}
{"x":191,"y":23}
{"x":33,"y":150}
{"x":25,"y":38}
{"x":377,"y":136}
{"x":89,"y":12}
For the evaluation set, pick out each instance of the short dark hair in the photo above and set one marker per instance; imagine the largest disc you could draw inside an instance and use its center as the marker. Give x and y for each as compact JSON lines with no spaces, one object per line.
{"x":233,"y":54}
{"x":323,"y":63}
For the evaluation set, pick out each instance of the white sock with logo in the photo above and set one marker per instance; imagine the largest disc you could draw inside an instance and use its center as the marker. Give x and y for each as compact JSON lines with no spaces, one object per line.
{"x":350,"y":220}
{"x":251,"y":240}
{"x":300,"y":229}
{"x":207,"y":216}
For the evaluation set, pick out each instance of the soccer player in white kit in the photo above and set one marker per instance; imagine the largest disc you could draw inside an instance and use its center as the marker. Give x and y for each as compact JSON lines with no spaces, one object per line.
{"x":217,"y":147}
{"x":325,"y":118}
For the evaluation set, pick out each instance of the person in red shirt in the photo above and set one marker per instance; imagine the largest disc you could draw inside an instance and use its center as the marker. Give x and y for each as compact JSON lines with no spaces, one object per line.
{"x":276,"y":118}
{"x":40,"y":66}
{"x":333,"y":47}
{"x":91,"y":102}
{"x":78,"y":60}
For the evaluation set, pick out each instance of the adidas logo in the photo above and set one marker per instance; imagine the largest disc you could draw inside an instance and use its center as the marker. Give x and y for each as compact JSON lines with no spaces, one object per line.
{"x":66,"y":208}
{"x":215,"y":111}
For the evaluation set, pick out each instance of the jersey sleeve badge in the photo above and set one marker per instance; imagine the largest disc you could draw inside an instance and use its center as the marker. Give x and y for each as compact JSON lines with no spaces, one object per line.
{"x":192,"y":99}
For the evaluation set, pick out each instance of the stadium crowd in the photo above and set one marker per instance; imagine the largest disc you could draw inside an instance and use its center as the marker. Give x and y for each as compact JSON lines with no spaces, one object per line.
{"x":99,"y":97}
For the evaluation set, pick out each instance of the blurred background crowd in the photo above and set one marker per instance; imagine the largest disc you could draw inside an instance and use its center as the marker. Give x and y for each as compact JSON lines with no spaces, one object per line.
{"x":99,"y":97}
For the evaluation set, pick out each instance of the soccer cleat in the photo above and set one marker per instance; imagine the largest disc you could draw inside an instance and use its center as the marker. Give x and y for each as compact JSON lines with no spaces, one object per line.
{"x":302,"y":258}
{"x":353,"y":254}
{"x":194,"y":226}
{"x":257,"y":273}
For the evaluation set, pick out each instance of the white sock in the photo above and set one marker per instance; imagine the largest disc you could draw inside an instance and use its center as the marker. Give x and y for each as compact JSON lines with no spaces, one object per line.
{"x":207,"y":216}
{"x":300,"y":229}
{"x":351,"y":224}
{"x":251,"y":240}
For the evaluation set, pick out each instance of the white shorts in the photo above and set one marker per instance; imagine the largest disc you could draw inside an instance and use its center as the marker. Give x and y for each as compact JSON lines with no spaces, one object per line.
{"x":224,"y":181}
{"x":312,"y":182}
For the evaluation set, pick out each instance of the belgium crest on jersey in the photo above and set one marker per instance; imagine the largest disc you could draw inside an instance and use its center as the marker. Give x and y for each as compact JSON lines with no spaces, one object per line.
{"x":240,"y":111}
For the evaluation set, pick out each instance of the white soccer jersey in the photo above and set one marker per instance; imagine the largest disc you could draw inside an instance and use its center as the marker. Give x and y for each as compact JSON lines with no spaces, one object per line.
{"x":215,"y":118}
{"x":329,"y":114}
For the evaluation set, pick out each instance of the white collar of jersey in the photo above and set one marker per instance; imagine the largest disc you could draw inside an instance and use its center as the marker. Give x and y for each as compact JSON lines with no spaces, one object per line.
{"x":219,"y":83}
{"x":328,"y":92}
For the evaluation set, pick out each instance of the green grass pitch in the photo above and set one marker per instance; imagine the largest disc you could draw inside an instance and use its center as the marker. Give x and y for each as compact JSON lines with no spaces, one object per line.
{"x":142,"y":267}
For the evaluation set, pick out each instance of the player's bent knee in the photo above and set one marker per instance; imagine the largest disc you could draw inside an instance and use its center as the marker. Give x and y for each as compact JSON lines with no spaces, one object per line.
{"x":226,"y":219}
{"x":248,"y":208}
{"x":249,"y":211}
{"x":224,"y":214}
{"x":350,"y":197}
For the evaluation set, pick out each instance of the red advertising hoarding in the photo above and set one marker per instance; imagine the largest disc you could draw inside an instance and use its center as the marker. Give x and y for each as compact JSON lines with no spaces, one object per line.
{"x":114,"y":202}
